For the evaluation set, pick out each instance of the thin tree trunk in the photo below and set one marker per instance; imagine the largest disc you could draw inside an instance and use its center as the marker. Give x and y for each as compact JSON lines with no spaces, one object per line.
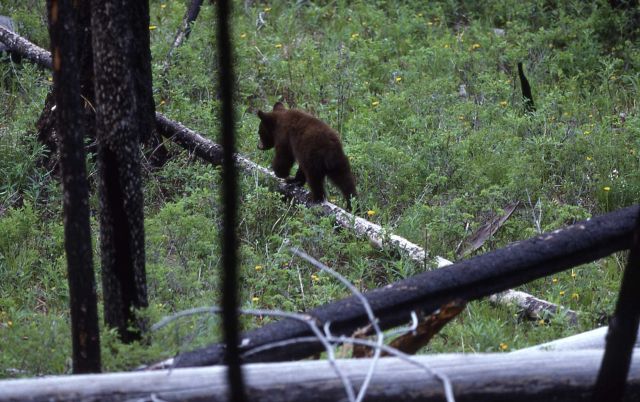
{"x":183,"y":32}
{"x":120,"y":30}
{"x":623,"y":330}
{"x":155,"y":151}
{"x":65,"y":39}
{"x":229,"y":238}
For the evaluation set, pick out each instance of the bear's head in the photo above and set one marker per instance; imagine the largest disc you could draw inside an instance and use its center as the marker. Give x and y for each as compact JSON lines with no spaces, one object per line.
{"x":267,"y":128}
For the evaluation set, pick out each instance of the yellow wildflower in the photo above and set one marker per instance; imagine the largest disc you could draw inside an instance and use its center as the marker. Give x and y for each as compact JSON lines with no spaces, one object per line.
{"x":152,"y":27}
{"x":606,"y":188}
{"x":398,"y":79}
{"x":587,"y":132}
{"x":255,"y":299}
{"x":354,"y":35}
{"x":258,"y":267}
{"x":371,"y":212}
{"x":503,"y":103}
{"x":278,"y":46}
{"x":562,"y":293}
{"x":315,"y":277}
{"x":429,"y":23}
{"x":503,"y":346}
{"x":589,"y":158}
{"x":243,"y":35}
{"x":446,"y":46}
{"x":375,"y":103}
{"x":554,"y":280}
{"x":419,"y":14}
{"x":267,"y":9}
{"x":475,"y":46}
{"x":575,"y":296}
{"x":541,"y":322}
{"x":163,"y":6}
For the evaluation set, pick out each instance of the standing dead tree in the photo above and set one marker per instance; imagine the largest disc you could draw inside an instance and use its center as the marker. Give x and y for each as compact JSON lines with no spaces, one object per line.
{"x":229,"y":237}
{"x":66,"y":38}
{"x":527,"y":97}
{"x":623,"y":330}
{"x":183,"y":32}
{"x":122,"y":59}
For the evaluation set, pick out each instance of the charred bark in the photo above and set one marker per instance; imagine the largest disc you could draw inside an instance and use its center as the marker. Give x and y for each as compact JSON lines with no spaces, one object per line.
{"x":623,"y":330}
{"x":527,"y":96}
{"x":120,"y":30}
{"x":65,"y":44}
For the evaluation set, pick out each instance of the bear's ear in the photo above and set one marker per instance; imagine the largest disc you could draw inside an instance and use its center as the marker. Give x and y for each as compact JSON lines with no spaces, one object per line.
{"x":278,"y":106}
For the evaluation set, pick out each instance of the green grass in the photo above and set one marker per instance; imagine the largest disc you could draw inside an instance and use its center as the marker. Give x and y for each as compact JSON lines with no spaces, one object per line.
{"x":432,"y":165}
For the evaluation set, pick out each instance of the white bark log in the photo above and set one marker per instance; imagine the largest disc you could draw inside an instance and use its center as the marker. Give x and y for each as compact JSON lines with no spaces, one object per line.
{"x":559,"y":376}
{"x":534,"y":308}
{"x":594,"y":339}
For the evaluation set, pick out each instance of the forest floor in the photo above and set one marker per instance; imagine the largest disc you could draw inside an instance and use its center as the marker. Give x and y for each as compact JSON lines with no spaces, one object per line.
{"x":427,"y":99}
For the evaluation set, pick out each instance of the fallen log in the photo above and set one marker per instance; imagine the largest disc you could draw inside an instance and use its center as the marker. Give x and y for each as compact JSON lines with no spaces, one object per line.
{"x":19,"y":45}
{"x":532,"y":306}
{"x":212,"y":152}
{"x":471,"y":279}
{"x":541,"y":376}
{"x":594,"y":339}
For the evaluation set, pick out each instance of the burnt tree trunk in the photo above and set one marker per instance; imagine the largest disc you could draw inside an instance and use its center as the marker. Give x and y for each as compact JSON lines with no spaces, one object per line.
{"x":66,"y":37}
{"x":120,"y":29}
{"x":183,"y":32}
{"x":48,"y":135}
{"x":229,"y":238}
{"x":623,"y":331}
{"x":155,"y":151}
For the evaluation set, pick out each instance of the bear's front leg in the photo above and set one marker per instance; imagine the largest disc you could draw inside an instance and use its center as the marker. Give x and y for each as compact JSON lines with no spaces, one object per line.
{"x":298,"y":180}
{"x":282,"y":163}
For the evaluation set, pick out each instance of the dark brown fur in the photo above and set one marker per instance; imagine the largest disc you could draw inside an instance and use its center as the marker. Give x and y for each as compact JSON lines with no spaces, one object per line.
{"x":298,"y":136}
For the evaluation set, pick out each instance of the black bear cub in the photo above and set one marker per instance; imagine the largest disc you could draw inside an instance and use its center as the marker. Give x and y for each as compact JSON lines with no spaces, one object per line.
{"x":298,"y":136}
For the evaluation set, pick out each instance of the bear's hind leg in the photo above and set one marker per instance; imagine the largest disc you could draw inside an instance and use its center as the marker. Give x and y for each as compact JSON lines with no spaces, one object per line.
{"x":345,"y":182}
{"x":316,"y":184}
